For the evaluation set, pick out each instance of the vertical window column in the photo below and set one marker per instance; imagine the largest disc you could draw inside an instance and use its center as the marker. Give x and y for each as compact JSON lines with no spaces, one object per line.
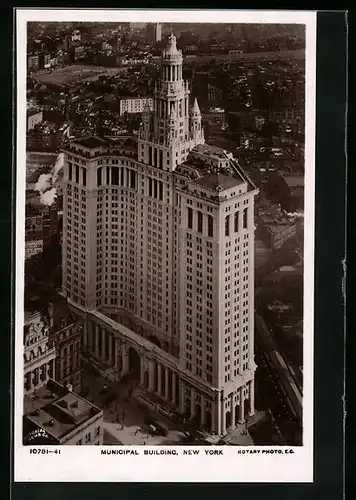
{"x":99,"y":176}
{"x":227,"y":225}
{"x":210,"y":226}
{"x":84,"y":176}
{"x":236,"y":222}
{"x":108,"y":176}
{"x":190,"y":218}
{"x":200,"y":222}
{"x":245,"y":218}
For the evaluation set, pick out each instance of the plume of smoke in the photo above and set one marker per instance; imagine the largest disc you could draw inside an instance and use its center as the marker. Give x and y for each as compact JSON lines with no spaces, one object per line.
{"x":48,"y":197}
{"x":58,"y":166}
{"x":46,"y":182}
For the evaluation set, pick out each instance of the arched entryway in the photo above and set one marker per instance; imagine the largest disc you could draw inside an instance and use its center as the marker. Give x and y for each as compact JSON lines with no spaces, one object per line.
{"x":154,"y":340}
{"x":134,"y":362}
{"x":228,"y":419}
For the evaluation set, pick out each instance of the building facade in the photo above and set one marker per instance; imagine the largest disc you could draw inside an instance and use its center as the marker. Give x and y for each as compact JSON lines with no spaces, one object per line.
{"x":39,"y":352}
{"x":34,"y":117}
{"x":135,"y":105}
{"x":158,"y":258}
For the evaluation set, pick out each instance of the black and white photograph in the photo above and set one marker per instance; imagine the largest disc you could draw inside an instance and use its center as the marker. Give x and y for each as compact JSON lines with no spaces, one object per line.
{"x":165,"y":184}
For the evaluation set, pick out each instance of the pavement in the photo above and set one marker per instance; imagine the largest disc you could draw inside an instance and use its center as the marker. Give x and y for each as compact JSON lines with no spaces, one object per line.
{"x":124,"y":417}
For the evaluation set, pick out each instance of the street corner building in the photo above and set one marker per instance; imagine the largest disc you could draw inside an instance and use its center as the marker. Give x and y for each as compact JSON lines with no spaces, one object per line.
{"x":55,"y":415}
{"x":158,"y":258}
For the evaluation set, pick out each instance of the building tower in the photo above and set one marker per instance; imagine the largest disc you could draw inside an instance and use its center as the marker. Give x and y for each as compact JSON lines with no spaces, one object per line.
{"x":171,"y":138}
{"x":158,"y":258}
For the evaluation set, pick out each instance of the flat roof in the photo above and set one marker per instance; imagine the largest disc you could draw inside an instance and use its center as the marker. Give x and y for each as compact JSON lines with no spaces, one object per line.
{"x":210,"y":150}
{"x":91,"y":142}
{"x":219,"y":181}
{"x":294,"y":180}
{"x":57,"y":410}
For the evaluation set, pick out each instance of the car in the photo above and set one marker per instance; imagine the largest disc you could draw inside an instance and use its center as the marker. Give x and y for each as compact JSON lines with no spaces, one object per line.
{"x":160,"y":428}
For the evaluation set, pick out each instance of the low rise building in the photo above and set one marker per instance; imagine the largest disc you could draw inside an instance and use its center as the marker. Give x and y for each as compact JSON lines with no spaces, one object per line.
{"x":33,"y":248}
{"x":34,"y":117}
{"x":135,"y":105}
{"x":32,"y":62}
{"x":56,"y":415}
{"x":274,"y":227}
{"x":288,"y":190}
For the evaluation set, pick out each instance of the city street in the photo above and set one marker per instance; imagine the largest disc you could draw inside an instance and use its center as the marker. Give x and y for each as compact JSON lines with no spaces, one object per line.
{"x":125,"y":419}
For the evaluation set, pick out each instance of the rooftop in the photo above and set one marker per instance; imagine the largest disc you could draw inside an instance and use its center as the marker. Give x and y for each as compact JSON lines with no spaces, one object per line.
{"x":57,"y":410}
{"x":219,"y":181}
{"x":294,"y":180}
{"x":207,"y":149}
{"x":91,"y":142}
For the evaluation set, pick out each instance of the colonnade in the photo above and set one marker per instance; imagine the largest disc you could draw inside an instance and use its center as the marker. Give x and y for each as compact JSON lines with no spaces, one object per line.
{"x":211,"y":409}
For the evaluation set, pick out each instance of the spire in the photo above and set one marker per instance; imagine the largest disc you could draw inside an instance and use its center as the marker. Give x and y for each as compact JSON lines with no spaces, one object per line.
{"x":171,"y":52}
{"x":195,"y":108}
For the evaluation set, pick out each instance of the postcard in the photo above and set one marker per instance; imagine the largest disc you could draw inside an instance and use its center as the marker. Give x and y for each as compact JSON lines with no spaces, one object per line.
{"x":164,"y":245}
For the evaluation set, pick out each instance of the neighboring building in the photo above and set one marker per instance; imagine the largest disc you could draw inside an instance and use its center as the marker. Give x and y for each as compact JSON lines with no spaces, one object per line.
{"x":76,"y":36}
{"x":34,"y":228}
{"x":214,"y":93}
{"x":158,"y":258}
{"x":288,"y":190}
{"x":39,"y":352}
{"x":274,"y":227}
{"x":67,"y":335}
{"x":137,"y":26}
{"x":235,"y":52}
{"x":135,"y":105}
{"x":79,"y":52}
{"x":44,"y":59}
{"x":32,"y":248}
{"x":55,"y":415}
{"x":191,"y":48}
{"x":32,"y":62}
{"x":158,"y":32}
{"x":34,"y":117}
{"x":33,"y":236}
{"x":295,"y":196}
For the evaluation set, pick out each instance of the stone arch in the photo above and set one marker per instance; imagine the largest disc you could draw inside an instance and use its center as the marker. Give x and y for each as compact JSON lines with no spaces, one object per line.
{"x":134,"y":361}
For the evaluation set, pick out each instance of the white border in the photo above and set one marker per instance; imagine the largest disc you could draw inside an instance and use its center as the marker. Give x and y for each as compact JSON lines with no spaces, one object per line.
{"x":86,"y":464}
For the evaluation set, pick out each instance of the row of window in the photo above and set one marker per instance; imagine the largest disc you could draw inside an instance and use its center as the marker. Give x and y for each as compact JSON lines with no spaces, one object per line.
{"x":199,"y":224}
{"x":116,"y":176}
{"x":74,"y":174}
{"x":236,"y":222}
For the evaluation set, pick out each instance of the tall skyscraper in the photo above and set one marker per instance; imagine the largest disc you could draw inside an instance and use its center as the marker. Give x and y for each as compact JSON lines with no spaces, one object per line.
{"x":158,"y":32}
{"x":158,"y":257}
